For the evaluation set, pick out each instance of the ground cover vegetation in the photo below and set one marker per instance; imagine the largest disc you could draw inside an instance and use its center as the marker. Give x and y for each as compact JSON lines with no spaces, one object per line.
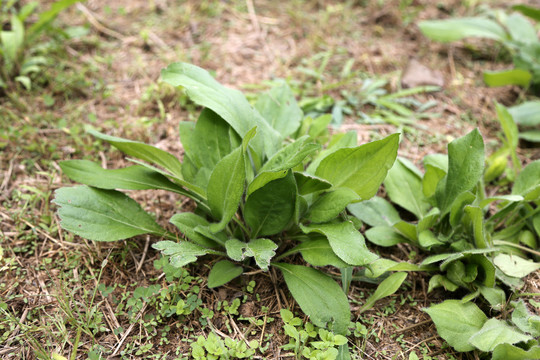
{"x":317,"y":214}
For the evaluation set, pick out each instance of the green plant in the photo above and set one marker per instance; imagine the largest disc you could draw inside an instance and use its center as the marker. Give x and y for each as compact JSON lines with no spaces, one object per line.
{"x":214,"y":348}
{"x":261,"y":184}
{"x":308,"y":341}
{"x":513,"y":31}
{"x":479,"y":244}
{"x":527,"y":117}
{"x":372,"y":103}
{"x":18,"y":59}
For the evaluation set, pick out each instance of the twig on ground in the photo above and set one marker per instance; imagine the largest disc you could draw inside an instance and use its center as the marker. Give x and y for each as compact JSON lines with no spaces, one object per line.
{"x":140,"y":264}
{"x":126,"y":334}
{"x":95,"y":23}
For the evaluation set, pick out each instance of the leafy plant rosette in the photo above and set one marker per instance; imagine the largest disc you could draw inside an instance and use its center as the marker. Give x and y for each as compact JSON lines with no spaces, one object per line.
{"x":513,"y":31}
{"x":263,"y":186}
{"x":478,"y":243}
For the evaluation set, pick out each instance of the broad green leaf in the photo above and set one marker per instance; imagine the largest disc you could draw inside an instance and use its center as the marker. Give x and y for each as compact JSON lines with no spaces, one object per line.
{"x":130,"y":178}
{"x":269,"y":209}
{"x":103,"y":215}
{"x":262,"y":250}
{"x":143,"y":151}
{"x":375,"y":212}
{"x":459,"y":28}
{"x":427,"y":239}
{"x":495,"y":296}
{"x":524,"y":320}
{"x":477,"y":227}
{"x":458,"y":208}
{"x":346,"y":242}
{"x":465,"y":169}
{"x":527,"y":113}
{"x":518,"y":77}
{"x":329,"y":205}
{"x":219,"y":237}
{"x":527,"y":182}
{"x":515,"y":266}
{"x":520,"y":29}
{"x":384,"y":236}
{"x":264,"y":178}
{"x":186,"y":129}
{"x":508,"y":125}
{"x":439,"y":161}
{"x":511,"y":352}
{"x":280,"y":109}
{"x":532,"y":136}
{"x":186,"y":222}
{"x":361,"y":169}
{"x":456,"y":322}
{"x":528,"y":10}
{"x":222,"y":272}
{"x":438,"y":280}
{"x":461,"y":274}
{"x":226,"y":187}
{"x":180,"y":253}
{"x":235,"y":249}
{"x":404,"y":187}
{"x":407,"y":230}
{"x":318,"y":252}
{"x":291,"y":155}
{"x":308,"y":184}
{"x":495,"y":332}
{"x":429,"y":220}
{"x":386,"y":288}
{"x":230,"y":104}
{"x":348,"y":140}
{"x":319,"y":297}
{"x":210,"y":140}
{"x":536,"y":224}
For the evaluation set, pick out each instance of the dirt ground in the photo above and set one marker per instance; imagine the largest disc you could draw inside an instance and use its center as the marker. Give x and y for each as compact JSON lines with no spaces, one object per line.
{"x":245,"y":44}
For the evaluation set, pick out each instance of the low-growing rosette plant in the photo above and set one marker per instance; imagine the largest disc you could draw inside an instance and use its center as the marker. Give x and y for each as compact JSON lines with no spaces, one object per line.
{"x":476,"y":241}
{"x":265,"y":189}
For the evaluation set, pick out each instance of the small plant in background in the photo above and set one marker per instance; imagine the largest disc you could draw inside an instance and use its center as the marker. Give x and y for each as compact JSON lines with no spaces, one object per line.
{"x":263,"y":186}
{"x":513,"y":31}
{"x":309,"y":342}
{"x":212,"y":347}
{"x":19,"y":55}
{"x":481,"y":244}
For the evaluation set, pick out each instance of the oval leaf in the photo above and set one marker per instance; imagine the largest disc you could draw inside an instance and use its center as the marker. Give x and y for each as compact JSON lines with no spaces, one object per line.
{"x":222,"y":272}
{"x":362,"y":168}
{"x":319,"y":297}
{"x":346,"y":242}
{"x":225,"y":188}
{"x":269,"y":209}
{"x":465,"y":169}
{"x":457,"y":322}
{"x":103,"y":215}
{"x":495,"y":332}
{"x":386,"y":288}
{"x":329,"y":205}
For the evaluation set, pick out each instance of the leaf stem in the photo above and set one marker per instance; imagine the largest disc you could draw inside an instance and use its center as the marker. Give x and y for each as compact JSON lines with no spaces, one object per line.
{"x":508,"y":243}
